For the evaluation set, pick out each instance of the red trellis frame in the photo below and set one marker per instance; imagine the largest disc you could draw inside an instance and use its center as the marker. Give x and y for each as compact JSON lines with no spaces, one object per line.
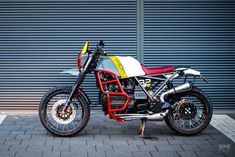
{"x":111,"y":110}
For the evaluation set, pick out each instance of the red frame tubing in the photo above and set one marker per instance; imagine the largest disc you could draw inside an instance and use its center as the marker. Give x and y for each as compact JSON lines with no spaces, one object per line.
{"x":79,"y":61}
{"x":122,"y":93}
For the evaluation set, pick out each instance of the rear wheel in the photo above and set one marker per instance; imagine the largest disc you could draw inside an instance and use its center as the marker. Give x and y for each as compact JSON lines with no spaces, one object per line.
{"x":67,"y":123}
{"x":191,"y":112}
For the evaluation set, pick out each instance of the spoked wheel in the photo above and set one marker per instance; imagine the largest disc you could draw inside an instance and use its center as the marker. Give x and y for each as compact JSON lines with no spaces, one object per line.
{"x":191,"y":112}
{"x":66,"y":123}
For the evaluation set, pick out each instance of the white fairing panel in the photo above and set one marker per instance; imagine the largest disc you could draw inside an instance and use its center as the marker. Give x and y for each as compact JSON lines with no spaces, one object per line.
{"x":73,"y":72}
{"x":131,"y":66}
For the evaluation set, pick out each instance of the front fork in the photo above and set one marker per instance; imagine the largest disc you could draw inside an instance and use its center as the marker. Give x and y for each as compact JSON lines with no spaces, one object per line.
{"x":77,"y":84}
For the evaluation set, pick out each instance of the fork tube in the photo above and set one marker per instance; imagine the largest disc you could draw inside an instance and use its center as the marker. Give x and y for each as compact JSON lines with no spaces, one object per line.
{"x":79,"y":81}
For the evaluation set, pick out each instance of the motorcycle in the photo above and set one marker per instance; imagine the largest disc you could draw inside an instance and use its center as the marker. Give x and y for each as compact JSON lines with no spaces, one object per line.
{"x":128,"y":90}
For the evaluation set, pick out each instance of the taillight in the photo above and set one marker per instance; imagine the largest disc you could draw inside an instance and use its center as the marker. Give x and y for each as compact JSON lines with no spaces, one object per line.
{"x":79,"y":61}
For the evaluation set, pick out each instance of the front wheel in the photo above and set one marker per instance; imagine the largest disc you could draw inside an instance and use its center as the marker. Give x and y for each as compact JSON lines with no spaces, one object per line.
{"x":67,"y":123}
{"x":191,"y":112}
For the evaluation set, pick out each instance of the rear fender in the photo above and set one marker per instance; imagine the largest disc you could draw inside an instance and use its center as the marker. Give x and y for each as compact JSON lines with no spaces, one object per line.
{"x":188,"y":71}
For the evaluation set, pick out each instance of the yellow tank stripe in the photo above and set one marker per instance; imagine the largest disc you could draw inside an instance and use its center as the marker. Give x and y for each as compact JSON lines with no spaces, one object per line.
{"x":119,"y":66}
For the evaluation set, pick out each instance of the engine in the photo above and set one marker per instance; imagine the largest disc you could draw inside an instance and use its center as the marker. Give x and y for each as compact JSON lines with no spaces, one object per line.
{"x":138,"y":98}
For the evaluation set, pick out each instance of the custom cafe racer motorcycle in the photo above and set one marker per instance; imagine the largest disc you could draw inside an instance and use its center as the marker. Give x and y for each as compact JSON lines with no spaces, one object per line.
{"x":127,"y":90}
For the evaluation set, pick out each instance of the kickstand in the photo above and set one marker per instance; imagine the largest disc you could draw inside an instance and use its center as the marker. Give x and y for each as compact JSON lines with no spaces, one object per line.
{"x":142,"y":127}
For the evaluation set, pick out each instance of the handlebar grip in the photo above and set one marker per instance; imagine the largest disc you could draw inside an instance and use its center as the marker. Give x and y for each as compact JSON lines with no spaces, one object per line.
{"x":101,"y":43}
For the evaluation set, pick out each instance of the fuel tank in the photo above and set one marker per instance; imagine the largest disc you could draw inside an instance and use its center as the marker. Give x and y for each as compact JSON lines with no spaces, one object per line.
{"x":123,"y":67}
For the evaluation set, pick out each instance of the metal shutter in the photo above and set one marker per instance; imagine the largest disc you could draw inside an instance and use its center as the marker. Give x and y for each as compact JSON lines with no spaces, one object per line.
{"x":196,"y":33}
{"x":39,"y":39}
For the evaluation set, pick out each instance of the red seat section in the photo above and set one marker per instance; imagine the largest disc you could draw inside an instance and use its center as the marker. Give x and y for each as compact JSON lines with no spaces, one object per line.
{"x":157,"y":70}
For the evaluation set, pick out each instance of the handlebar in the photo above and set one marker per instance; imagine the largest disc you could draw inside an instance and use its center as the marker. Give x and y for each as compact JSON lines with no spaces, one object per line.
{"x":99,"y":48}
{"x":93,"y":56}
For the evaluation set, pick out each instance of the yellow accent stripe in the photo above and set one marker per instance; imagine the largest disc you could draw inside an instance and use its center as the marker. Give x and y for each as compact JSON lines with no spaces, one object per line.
{"x":119,"y":66}
{"x":85,"y":47}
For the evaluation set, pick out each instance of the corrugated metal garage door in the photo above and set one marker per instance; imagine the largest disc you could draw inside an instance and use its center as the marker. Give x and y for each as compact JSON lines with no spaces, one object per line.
{"x":39,"y":39}
{"x":196,"y":33}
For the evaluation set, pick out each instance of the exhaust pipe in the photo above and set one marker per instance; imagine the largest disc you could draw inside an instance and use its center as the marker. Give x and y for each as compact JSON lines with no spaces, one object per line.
{"x":158,"y":116}
{"x":182,"y":88}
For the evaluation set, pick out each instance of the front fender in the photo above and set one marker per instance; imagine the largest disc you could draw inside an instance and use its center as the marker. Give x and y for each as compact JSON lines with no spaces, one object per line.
{"x":73,"y":72}
{"x":84,"y":95}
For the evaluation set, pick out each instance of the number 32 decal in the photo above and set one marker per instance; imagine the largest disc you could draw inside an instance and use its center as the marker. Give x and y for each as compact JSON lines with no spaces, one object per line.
{"x":145,"y":82}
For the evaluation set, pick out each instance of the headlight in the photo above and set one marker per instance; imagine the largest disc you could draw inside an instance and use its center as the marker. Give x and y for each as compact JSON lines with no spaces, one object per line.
{"x":79,"y":61}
